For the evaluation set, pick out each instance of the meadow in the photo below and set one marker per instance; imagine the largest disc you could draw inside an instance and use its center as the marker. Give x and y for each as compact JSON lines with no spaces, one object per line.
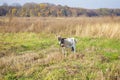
{"x":29,"y":49}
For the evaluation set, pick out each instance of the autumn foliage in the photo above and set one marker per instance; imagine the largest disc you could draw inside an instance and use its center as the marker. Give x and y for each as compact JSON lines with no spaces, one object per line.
{"x":46,"y":9}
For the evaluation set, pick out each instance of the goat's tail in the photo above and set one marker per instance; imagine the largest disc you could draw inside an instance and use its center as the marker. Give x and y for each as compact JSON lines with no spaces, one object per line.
{"x":75,"y":40}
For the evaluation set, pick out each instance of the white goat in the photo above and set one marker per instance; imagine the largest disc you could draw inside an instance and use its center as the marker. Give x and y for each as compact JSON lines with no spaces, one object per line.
{"x":67,"y":43}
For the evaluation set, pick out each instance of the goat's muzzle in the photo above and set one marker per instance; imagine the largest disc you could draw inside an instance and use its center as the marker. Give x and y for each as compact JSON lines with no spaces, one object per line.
{"x":62,"y":45}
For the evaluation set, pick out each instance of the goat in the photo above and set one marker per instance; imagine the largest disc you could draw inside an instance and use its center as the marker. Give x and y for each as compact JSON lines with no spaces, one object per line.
{"x":67,"y":43}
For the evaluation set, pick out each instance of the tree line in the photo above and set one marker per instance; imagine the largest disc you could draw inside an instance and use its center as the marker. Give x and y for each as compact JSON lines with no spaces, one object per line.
{"x":47,"y":9}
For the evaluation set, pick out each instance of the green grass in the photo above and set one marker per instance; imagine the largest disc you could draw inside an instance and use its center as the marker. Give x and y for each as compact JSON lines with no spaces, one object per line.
{"x":100,"y":60}
{"x":19,"y":42}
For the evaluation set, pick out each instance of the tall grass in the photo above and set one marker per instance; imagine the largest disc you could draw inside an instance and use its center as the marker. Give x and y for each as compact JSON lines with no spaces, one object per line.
{"x":80,"y":26}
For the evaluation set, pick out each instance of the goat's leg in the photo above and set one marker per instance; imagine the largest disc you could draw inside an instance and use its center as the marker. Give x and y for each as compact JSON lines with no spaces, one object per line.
{"x":73,"y":49}
{"x":64,"y":51}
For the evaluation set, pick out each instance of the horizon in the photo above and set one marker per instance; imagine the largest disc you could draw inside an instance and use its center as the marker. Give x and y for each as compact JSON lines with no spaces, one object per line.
{"x":91,"y":4}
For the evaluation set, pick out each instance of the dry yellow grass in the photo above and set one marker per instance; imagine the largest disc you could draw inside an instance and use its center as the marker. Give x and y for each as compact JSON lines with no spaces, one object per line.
{"x":80,"y":26}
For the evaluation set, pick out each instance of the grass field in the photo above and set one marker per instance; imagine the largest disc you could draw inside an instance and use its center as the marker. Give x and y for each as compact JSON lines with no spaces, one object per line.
{"x":29,"y":49}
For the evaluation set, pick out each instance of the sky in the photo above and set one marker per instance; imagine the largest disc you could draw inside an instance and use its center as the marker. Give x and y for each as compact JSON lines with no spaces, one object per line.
{"x":90,"y":4}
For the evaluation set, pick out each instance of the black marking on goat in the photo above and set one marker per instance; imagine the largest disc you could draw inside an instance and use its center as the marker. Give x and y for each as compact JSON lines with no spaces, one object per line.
{"x":72,"y":48}
{"x":62,"y":40}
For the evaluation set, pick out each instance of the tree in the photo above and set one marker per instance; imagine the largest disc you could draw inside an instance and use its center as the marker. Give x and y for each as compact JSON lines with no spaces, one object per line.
{"x":46,"y":9}
{"x":3,"y":11}
{"x":14,"y":11}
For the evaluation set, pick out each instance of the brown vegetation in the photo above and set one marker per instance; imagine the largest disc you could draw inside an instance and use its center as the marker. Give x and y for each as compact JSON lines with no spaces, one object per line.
{"x":81,"y":26}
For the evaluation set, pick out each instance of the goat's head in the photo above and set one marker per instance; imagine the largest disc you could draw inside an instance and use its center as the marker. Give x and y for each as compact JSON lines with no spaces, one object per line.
{"x":61,"y":41}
